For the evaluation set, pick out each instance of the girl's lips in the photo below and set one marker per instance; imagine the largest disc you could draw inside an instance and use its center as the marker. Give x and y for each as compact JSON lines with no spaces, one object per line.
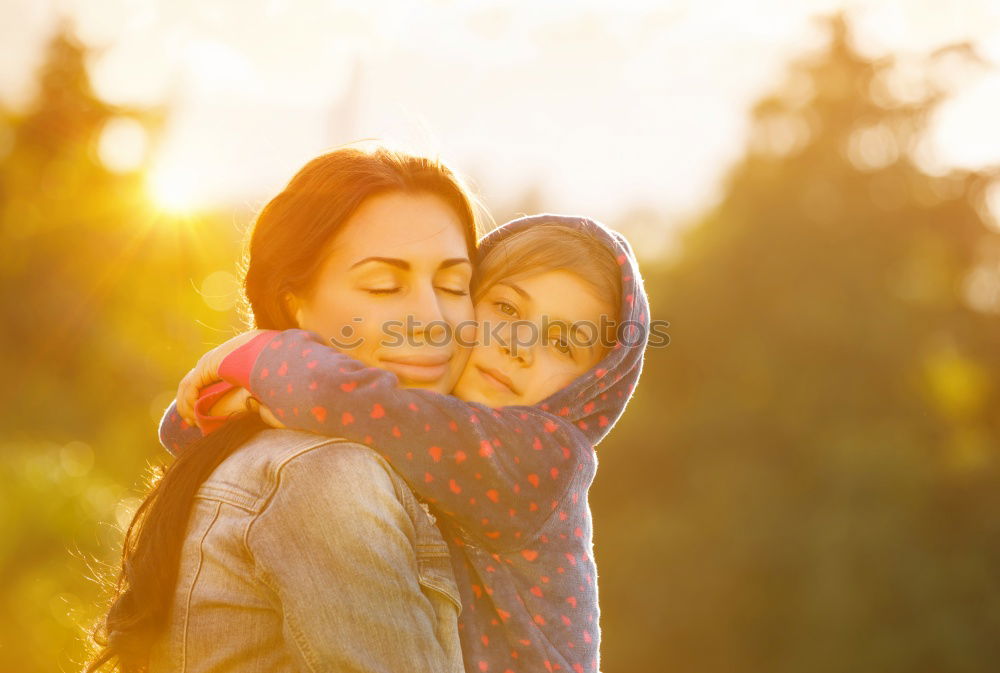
{"x":497,"y":380}
{"x":427,"y":371}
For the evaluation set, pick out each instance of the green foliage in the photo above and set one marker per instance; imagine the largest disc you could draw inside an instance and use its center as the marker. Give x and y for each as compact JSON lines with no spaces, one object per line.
{"x":100,"y":320}
{"x":806,"y":478}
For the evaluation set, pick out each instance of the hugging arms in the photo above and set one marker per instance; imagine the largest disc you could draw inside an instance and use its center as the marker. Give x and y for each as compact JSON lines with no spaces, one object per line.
{"x":508,"y":479}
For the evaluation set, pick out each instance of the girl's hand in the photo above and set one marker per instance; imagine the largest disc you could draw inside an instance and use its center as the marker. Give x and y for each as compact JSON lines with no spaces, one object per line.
{"x":206,"y":372}
{"x":250,"y":403}
{"x":268,"y":417}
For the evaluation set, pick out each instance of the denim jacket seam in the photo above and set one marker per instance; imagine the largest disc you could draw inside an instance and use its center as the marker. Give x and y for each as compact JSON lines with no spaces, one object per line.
{"x":194,"y":583}
{"x":443,"y":588}
{"x":274,"y":477}
{"x":425,"y":551}
{"x":300,"y":641}
{"x":240,"y":499}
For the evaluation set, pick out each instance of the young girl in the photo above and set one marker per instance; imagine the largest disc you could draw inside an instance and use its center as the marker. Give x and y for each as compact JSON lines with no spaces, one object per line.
{"x":508,"y":466}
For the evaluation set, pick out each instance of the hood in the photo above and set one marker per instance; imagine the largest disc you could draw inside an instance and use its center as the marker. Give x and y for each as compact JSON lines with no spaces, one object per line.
{"x":595,"y":400}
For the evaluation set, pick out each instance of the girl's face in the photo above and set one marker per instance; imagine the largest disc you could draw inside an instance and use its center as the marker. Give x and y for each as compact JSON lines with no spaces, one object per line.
{"x":393,"y":288}
{"x":536,"y":335}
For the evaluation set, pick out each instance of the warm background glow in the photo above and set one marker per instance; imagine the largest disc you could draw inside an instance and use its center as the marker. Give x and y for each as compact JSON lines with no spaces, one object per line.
{"x":598,"y":105}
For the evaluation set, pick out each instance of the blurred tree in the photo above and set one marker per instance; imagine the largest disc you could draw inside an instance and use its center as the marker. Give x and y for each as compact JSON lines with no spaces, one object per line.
{"x":807,"y":478}
{"x":99,"y":322}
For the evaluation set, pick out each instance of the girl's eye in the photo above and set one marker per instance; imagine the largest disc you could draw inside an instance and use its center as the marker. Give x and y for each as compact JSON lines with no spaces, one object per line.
{"x":563,"y":347}
{"x":504,"y":306}
{"x":390,"y":290}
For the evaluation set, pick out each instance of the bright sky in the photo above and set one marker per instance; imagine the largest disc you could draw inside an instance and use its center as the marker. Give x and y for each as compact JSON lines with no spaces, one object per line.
{"x":606,"y":105}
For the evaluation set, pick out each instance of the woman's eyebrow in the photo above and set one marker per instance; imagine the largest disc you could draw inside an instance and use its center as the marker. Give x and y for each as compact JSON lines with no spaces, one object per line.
{"x":401,"y":263}
{"x":405,"y":266}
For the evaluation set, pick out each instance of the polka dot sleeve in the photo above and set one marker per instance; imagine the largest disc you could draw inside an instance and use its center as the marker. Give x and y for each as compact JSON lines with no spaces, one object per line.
{"x":499,"y":473}
{"x":176,"y":433}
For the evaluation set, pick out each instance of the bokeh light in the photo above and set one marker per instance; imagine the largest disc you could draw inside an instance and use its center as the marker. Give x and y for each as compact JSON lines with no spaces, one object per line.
{"x":220,"y":290}
{"x":123,"y":145}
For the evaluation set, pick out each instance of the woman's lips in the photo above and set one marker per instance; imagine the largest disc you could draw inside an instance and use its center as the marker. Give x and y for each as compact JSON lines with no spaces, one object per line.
{"x":418,"y":369}
{"x":497,"y":380}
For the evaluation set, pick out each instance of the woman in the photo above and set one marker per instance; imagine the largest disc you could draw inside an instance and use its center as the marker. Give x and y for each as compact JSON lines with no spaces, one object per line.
{"x":319,"y":560}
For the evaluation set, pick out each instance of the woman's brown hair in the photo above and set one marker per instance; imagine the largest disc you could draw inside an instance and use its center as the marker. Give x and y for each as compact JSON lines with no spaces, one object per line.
{"x":302,"y":219}
{"x":283,"y":255}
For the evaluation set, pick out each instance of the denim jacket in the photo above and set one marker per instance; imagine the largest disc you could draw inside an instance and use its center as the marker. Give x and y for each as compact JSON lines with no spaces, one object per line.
{"x":306,"y":553}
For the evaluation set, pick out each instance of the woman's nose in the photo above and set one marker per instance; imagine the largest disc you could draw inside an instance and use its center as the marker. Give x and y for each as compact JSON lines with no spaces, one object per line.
{"x":428,"y":317}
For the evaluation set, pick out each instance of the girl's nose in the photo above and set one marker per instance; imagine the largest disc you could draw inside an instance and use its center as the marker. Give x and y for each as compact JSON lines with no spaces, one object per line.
{"x":517,"y":351}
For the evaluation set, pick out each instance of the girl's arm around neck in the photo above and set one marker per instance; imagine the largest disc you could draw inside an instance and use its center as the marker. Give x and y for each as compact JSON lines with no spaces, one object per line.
{"x":499,"y":473}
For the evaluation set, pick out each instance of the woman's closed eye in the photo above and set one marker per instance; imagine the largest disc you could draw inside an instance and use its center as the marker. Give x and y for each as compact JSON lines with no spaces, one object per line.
{"x":454,"y":291}
{"x":393,"y":290}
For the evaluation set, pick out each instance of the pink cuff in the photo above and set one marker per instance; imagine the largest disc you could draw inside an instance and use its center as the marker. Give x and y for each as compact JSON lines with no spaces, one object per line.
{"x":207,"y":398}
{"x":238,"y":365}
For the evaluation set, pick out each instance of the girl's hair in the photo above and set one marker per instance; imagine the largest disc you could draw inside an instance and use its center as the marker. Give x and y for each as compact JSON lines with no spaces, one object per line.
{"x":552,"y":247}
{"x":284,"y":255}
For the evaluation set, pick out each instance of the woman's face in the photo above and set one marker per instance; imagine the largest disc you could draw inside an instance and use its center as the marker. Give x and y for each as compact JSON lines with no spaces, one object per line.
{"x":536,"y":335}
{"x":393,"y":288}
